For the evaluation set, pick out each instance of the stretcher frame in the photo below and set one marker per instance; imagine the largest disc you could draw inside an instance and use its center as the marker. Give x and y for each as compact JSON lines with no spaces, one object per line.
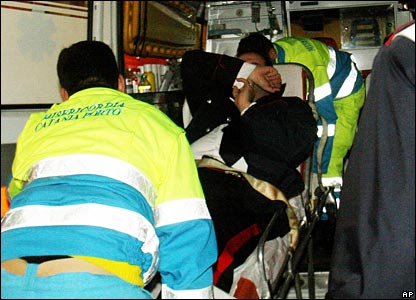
{"x":315,"y":197}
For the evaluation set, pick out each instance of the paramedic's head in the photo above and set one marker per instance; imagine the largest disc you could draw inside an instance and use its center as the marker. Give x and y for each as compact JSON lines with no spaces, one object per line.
{"x":257,"y":43}
{"x":87,"y":64}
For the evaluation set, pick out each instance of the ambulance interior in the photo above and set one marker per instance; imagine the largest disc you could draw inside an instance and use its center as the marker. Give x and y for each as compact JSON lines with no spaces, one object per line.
{"x":151,"y":36}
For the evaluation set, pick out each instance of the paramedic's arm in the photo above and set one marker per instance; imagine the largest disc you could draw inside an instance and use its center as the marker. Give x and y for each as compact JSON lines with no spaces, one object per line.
{"x":188,"y":246}
{"x":21,"y":164}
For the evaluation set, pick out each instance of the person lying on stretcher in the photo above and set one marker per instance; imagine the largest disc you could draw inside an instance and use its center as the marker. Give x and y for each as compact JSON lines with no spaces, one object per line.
{"x":235,"y":113}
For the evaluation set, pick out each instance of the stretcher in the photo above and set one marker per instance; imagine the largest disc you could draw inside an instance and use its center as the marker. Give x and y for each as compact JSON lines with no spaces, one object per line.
{"x":273,"y":267}
{"x":313,"y":201}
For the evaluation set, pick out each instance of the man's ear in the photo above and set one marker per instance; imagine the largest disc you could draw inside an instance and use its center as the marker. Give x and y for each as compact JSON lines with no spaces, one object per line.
{"x":121,"y":83}
{"x":273,"y":54}
{"x":64,"y":94}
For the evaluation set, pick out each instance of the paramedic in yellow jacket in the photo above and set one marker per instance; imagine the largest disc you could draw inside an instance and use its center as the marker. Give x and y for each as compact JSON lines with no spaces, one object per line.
{"x":339,"y":92}
{"x":104,"y":194}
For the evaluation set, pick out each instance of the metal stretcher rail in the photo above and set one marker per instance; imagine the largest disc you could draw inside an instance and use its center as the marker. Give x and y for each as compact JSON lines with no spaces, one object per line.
{"x":314,"y":202}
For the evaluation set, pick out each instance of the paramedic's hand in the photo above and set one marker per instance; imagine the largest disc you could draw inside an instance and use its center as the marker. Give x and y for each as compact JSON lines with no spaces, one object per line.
{"x":244,"y":96}
{"x":268,"y":78}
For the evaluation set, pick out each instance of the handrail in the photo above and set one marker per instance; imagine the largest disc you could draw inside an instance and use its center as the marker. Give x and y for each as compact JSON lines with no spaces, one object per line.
{"x":293,"y":255}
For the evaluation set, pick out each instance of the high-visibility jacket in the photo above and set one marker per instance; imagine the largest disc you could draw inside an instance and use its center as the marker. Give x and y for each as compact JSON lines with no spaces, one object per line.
{"x":339,"y":96}
{"x":105,"y":176}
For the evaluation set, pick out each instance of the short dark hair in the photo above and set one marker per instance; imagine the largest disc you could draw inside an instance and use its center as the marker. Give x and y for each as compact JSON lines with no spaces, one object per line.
{"x":87,"y":64}
{"x":256,"y":43}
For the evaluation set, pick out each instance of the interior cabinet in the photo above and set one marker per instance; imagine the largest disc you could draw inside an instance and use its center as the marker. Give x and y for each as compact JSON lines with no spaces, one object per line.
{"x":358,"y":27}
{"x":159,"y":28}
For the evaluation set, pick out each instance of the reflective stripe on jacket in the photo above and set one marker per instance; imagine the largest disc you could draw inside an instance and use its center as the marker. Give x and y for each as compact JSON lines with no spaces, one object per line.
{"x":335,"y":76}
{"x":124,"y":172}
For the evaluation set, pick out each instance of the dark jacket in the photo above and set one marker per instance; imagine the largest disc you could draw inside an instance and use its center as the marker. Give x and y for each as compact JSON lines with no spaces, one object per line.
{"x":275,"y":135}
{"x":374,"y":244}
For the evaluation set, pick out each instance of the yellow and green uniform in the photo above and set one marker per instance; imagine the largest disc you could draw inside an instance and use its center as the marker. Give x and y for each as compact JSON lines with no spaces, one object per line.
{"x":112,"y":180}
{"x":339,"y":96}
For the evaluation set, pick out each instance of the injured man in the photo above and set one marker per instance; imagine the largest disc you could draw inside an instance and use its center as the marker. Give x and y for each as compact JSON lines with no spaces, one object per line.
{"x":248,"y":142}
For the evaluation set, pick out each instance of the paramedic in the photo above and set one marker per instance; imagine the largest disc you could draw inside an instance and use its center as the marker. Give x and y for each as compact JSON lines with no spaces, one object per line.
{"x":339,"y":93}
{"x":105,"y":192}
{"x":249,"y":129}
{"x":374,"y":246}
